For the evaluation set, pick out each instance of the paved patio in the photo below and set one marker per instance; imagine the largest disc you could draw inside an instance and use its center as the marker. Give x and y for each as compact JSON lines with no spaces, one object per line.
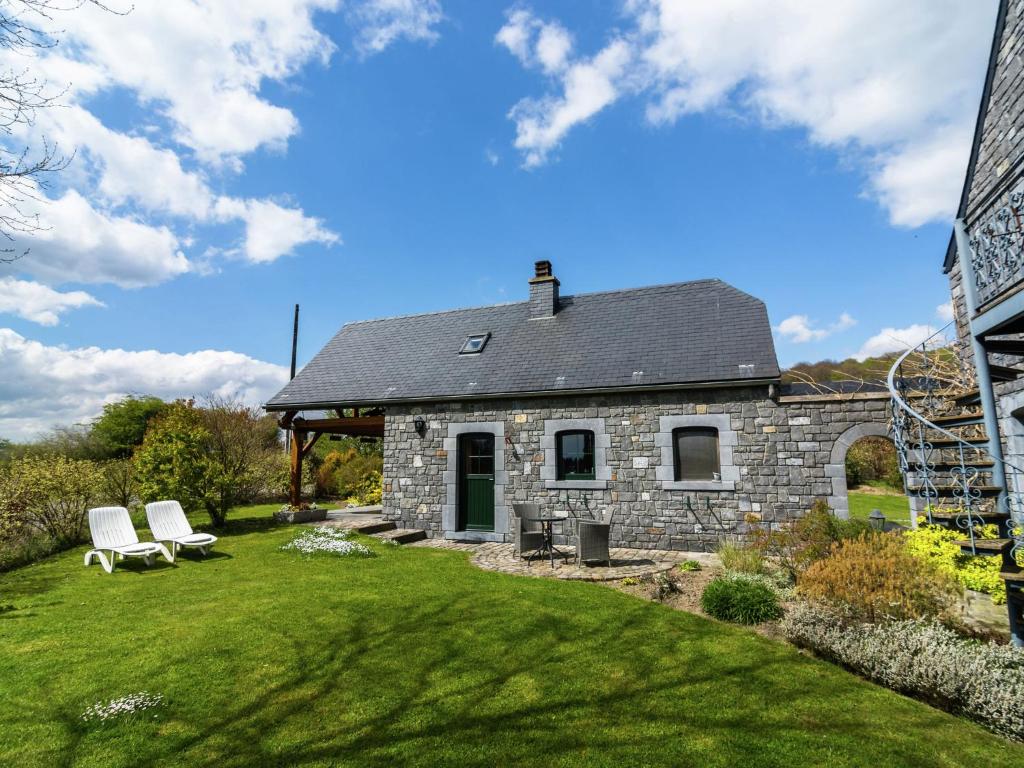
{"x":490,"y":556}
{"x":626,"y":563}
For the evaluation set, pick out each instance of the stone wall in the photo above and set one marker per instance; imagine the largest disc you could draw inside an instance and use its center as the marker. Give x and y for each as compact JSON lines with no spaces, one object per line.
{"x":1002,"y":137}
{"x":777,"y":458}
{"x":999,"y":166}
{"x":1000,"y":161}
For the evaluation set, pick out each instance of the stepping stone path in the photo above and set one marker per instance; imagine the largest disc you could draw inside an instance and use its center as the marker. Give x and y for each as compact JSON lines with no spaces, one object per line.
{"x":492,"y":556}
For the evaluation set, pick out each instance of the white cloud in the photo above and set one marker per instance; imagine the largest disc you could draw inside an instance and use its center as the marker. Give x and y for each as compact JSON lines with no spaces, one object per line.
{"x":271,"y":230}
{"x":886,"y":83}
{"x":587,"y":85}
{"x":516,"y":34}
{"x":58,"y":386}
{"x":201,"y":69}
{"x":202,"y":65}
{"x":945,"y":312}
{"x":896,"y":340}
{"x":81,"y":244}
{"x":131,"y":169}
{"x":381,"y":22}
{"x":799,"y":329}
{"x":39,"y":303}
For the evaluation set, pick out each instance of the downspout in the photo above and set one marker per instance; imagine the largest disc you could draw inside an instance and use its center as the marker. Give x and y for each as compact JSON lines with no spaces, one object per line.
{"x":985,"y":392}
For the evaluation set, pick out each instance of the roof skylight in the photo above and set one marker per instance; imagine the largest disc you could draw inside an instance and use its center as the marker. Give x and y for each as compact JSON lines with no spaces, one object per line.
{"x":474,"y":344}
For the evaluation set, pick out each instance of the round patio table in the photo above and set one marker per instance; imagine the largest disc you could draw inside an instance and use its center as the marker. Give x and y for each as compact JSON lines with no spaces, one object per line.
{"x":548,"y":547}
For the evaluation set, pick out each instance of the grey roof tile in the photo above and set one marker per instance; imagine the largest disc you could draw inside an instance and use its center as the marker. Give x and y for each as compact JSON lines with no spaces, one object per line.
{"x":683,"y":333}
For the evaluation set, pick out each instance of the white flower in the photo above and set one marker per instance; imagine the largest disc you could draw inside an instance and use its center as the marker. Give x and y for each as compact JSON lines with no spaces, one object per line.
{"x":125,"y":705}
{"x":332,"y":540}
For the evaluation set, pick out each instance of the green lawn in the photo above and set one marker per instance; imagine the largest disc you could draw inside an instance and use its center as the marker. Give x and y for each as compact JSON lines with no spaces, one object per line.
{"x":895,"y":508}
{"x":416,"y":657}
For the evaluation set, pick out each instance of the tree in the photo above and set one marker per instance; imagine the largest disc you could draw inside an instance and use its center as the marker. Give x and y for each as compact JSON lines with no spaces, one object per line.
{"x":243,"y":451}
{"x":210,"y":458}
{"x":122,"y":426}
{"x":24,"y":168}
{"x":171,"y":462}
{"x":120,"y":483}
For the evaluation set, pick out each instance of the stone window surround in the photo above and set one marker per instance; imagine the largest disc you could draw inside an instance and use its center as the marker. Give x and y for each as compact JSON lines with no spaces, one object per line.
{"x":666,"y":471}
{"x":450,"y":478}
{"x":602,"y":442}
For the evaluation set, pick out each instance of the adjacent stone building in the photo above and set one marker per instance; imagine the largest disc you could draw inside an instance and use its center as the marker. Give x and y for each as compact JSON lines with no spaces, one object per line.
{"x":660,"y":404}
{"x":992,"y":212}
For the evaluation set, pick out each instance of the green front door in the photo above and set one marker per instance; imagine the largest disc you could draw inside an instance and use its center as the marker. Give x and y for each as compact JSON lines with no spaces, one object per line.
{"x":476,"y":482}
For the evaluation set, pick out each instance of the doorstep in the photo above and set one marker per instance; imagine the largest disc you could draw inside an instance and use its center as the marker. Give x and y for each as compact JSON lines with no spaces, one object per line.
{"x":474,"y":536}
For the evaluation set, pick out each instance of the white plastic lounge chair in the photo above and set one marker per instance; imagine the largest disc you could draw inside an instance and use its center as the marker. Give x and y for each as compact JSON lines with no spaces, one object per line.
{"x":168,"y":523}
{"x":112,"y":531}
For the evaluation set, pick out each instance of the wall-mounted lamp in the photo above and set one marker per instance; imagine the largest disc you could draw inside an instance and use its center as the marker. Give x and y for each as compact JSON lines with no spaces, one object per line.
{"x":420,"y":425}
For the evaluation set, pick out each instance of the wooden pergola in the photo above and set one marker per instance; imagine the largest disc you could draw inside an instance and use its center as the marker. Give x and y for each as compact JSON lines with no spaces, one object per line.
{"x":306,"y":432}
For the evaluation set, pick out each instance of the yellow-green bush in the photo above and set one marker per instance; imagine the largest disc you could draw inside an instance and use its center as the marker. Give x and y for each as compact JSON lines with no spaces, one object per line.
{"x":370,"y":490}
{"x":936,"y":545}
{"x":348,"y":473}
{"x":743,"y":558}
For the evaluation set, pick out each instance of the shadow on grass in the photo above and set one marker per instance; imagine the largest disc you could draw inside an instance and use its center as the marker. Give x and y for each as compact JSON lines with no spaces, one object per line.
{"x":441,"y":705}
{"x":194,"y":556}
{"x":136,"y":567}
{"x":244,"y":526}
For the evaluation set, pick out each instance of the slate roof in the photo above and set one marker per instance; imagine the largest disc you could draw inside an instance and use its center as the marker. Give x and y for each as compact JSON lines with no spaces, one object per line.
{"x":685,"y":333}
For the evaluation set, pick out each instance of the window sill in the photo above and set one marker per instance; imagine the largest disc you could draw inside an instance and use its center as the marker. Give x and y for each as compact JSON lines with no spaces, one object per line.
{"x":576,"y":485}
{"x":698,"y":485}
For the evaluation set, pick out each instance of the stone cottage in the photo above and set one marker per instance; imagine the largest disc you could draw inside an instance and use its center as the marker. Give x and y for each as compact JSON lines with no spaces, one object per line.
{"x":661,"y":404}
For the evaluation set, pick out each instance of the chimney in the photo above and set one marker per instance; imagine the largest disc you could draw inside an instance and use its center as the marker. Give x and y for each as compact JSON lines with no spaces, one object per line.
{"x":543,"y":291}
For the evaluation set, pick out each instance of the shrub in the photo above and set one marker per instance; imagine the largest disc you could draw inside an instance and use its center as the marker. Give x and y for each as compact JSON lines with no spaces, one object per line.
{"x":58,"y":492}
{"x":936,"y":545}
{"x":740,"y":600}
{"x":664,"y":586}
{"x":742,"y":558}
{"x":371,"y":489}
{"x":14,"y":496}
{"x":807,"y":539}
{"x":874,"y":577}
{"x":982,"y":681}
{"x":873,"y":460}
{"x":342,"y":473}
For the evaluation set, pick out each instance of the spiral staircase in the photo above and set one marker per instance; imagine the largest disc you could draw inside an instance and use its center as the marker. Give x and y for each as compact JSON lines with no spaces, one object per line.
{"x":951,"y":472}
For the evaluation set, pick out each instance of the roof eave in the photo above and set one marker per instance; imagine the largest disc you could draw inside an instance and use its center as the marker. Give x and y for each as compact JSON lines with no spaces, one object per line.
{"x":979,"y":127}
{"x":718,"y":384}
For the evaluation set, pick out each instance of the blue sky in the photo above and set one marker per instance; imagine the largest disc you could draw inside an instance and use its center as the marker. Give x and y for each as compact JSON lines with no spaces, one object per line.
{"x":400,"y":156}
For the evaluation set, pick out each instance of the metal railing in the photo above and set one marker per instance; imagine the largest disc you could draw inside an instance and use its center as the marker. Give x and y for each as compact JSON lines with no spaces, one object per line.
{"x":924,"y":383}
{"x":997,"y":245}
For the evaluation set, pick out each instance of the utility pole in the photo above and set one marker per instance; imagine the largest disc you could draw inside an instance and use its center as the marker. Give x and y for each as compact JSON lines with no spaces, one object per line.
{"x":295,"y":345}
{"x":295,"y":340}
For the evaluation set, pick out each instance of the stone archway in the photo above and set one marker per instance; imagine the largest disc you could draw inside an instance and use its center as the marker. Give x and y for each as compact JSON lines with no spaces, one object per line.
{"x":836,"y":468}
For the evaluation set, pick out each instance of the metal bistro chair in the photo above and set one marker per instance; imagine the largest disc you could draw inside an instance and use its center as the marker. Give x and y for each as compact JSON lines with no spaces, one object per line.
{"x":592,"y":537}
{"x":528,"y":535}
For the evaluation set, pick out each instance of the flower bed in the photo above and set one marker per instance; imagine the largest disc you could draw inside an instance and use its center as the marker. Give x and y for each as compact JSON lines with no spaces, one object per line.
{"x":333,"y":541}
{"x":981,"y":681}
